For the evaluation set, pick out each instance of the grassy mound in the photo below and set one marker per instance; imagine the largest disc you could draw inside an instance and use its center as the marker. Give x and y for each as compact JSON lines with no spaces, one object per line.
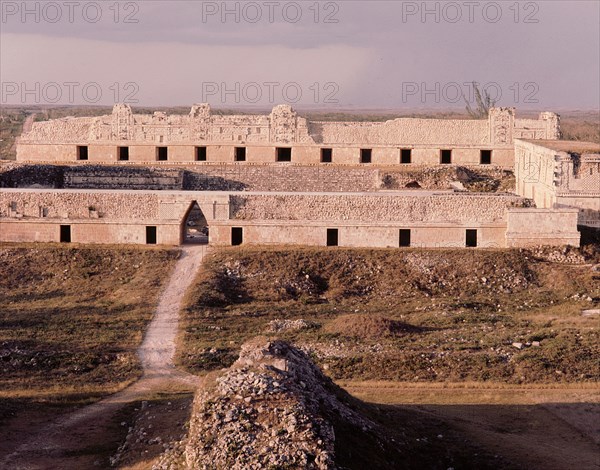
{"x":367,"y":326}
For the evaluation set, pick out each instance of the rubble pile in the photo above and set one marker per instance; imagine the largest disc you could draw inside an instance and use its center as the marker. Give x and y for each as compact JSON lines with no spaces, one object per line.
{"x":271,"y":409}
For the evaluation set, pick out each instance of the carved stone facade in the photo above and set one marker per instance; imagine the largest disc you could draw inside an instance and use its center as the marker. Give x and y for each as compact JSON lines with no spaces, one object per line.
{"x":284,"y":126}
{"x":547,"y":127}
{"x":502,"y":123}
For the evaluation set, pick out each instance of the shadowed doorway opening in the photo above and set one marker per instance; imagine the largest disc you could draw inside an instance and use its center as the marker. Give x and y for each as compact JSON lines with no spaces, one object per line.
{"x":195,"y":226}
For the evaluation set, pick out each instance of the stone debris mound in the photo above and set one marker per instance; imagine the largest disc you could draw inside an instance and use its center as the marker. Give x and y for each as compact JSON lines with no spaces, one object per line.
{"x":270,"y":409}
{"x":279,"y":325}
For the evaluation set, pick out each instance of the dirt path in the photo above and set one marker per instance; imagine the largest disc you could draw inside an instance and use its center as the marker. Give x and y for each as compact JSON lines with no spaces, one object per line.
{"x":63,"y":444}
{"x":158,"y":347}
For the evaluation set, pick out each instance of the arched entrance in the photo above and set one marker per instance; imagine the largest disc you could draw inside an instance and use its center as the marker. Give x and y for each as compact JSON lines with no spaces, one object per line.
{"x":195,"y":226}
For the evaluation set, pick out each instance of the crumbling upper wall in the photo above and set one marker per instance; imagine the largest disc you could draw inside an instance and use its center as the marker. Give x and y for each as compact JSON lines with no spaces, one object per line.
{"x":64,"y":130}
{"x":284,"y":126}
{"x":150,"y":205}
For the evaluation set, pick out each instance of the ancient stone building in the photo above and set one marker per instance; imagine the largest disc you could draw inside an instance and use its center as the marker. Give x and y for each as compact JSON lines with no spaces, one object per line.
{"x":280,"y":179}
{"x":281,"y":136}
{"x":559,"y":174}
{"x":413,"y":218}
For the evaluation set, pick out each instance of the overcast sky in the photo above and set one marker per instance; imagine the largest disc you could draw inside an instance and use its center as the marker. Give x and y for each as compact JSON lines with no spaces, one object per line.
{"x":367,"y":54}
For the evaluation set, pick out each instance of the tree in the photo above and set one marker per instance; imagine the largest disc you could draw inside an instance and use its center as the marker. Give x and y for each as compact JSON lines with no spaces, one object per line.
{"x":484,"y":103}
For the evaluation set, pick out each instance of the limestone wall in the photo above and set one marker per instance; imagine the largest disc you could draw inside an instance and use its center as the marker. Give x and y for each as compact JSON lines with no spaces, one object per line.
{"x":532,"y":227}
{"x":579,"y":174}
{"x":342,"y":154}
{"x":406,"y":131}
{"x":370,"y":220}
{"x":535,"y":168}
{"x":560,"y":174}
{"x":57,"y":140}
{"x":546,"y":127}
{"x":375,"y":208}
{"x":375,"y":235}
{"x":406,"y":206}
{"x":86,"y":232}
{"x":280,"y":178}
{"x":77,"y":204}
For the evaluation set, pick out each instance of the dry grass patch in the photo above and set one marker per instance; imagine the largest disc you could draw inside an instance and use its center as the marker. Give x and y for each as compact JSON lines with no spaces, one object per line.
{"x":72,"y":317}
{"x":464,"y":309}
{"x":581,"y":125}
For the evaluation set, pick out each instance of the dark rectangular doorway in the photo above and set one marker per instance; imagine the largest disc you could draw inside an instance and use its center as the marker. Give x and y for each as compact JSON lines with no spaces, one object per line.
{"x":237,"y":236}
{"x":151,"y":235}
{"x":326,"y":155}
{"x":366,"y":155}
{"x":162,"y":154}
{"x":404,"y":237}
{"x":82,"y":152}
{"x":65,"y":234}
{"x":200,"y":154}
{"x":332,"y":237}
{"x":471,"y":238}
{"x":123,"y":154}
{"x":240,"y":154}
{"x":445,"y":157}
{"x":485,"y":157}
{"x":284,"y":154}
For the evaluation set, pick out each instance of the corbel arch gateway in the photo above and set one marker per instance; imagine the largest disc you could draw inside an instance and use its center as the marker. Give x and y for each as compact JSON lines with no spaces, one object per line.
{"x":195,"y":227}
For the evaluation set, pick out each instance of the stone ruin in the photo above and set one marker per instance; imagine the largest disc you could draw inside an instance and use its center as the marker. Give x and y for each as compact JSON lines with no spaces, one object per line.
{"x":137,"y":178}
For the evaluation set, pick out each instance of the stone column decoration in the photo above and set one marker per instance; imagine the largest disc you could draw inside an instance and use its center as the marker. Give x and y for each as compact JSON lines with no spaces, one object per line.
{"x":502,"y":124}
{"x":283,"y":124}
{"x":200,"y":121}
{"x":552,"y":121}
{"x":122,"y":122}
